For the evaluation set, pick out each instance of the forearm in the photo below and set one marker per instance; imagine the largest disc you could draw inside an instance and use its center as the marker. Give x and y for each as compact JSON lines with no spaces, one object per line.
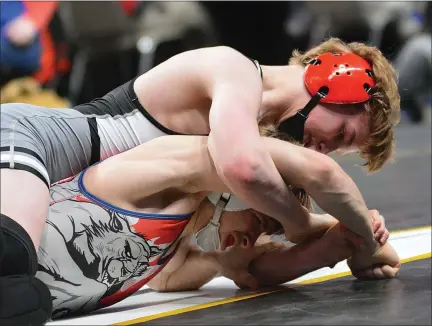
{"x":341,"y":198}
{"x":198,"y":269}
{"x":317,"y":224}
{"x":283,"y":265}
{"x":326,"y":182}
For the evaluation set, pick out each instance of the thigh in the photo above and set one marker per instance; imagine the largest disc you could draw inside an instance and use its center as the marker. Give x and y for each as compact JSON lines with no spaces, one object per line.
{"x":52,"y":143}
{"x":25,"y":199}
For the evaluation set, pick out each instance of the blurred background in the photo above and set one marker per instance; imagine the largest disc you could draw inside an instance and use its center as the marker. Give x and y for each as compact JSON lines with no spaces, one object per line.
{"x":58,"y":54}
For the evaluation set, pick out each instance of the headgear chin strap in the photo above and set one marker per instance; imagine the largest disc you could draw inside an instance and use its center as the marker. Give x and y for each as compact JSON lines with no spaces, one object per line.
{"x":294,"y":126}
{"x":336,"y":78}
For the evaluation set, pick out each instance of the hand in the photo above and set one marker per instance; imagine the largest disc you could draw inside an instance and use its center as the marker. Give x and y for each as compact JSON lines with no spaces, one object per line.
{"x":234,"y":263}
{"x":381,"y":234}
{"x":385,"y":263}
{"x":21,"y":31}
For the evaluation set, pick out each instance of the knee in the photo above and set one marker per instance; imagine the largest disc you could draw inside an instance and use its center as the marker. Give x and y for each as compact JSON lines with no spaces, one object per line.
{"x":17,"y":252}
{"x":24,"y":299}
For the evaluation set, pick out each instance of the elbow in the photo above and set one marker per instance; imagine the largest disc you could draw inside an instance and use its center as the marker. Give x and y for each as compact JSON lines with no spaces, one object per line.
{"x":326,"y":172}
{"x":241,"y":170}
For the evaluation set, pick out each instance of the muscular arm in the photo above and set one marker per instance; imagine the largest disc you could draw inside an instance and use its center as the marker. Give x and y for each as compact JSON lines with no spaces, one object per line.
{"x":331,"y":188}
{"x":241,"y":160}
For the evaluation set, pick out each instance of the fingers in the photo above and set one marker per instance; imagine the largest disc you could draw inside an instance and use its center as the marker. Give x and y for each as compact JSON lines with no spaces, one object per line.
{"x":381,"y":233}
{"x":391,"y":271}
{"x":377,"y":272}
{"x":385,"y":237}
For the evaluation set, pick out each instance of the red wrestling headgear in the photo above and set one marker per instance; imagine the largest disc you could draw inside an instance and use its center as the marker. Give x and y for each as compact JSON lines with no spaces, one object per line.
{"x":347,"y":76}
{"x":337,"y":78}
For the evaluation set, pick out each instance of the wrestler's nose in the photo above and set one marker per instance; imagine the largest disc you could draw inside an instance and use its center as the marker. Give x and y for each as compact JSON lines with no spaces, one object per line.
{"x":247,"y":242}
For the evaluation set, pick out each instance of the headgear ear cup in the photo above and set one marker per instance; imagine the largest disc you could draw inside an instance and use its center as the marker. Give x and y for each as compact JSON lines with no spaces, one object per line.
{"x":348,"y":77}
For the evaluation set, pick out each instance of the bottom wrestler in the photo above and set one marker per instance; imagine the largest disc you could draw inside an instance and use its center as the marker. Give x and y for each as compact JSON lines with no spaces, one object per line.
{"x":117,"y":225}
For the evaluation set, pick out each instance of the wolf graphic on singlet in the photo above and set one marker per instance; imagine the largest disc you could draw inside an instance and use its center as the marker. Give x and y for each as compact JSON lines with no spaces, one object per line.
{"x":93,"y":255}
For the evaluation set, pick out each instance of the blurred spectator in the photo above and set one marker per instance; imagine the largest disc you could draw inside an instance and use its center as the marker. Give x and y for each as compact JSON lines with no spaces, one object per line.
{"x":26,"y":46}
{"x":414,"y":65}
{"x":168,"y":28}
{"x":385,"y":24}
{"x":392,"y":23}
{"x":342,"y":19}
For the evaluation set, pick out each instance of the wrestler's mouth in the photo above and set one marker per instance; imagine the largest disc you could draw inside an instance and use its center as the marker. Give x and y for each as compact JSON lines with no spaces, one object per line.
{"x":230,"y":241}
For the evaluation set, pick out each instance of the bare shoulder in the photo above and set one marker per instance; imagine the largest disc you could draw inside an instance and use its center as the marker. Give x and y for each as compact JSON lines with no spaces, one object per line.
{"x":201,"y":68}
{"x":212,"y":55}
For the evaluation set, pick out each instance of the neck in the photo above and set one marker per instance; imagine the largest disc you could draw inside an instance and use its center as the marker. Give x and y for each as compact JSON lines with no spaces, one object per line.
{"x":284,"y":92}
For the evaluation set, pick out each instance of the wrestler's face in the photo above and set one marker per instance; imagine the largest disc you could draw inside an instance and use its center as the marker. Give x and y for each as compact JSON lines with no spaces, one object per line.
{"x":332,"y":127}
{"x":243,"y":228}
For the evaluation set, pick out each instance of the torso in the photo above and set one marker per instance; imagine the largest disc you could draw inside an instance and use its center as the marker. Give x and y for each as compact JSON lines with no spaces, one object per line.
{"x":94,"y":254}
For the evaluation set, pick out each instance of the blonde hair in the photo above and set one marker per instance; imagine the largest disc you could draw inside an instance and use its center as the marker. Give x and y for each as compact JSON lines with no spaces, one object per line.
{"x":382,"y":110}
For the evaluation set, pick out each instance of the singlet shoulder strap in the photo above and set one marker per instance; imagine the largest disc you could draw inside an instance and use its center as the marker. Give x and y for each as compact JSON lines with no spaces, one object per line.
{"x":257,"y":65}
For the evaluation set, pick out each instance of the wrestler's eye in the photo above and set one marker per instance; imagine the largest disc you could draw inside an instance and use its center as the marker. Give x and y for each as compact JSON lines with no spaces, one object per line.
{"x":128,"y":252}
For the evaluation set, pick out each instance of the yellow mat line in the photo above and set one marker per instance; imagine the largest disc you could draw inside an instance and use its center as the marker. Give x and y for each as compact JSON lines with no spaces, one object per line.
{"x":196,"y":307}
{"x":255,"y":295}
